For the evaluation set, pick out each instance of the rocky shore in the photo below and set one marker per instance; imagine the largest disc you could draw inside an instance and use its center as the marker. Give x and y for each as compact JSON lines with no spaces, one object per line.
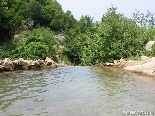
{"x":146,"y":65}
{"x":21,"y":64}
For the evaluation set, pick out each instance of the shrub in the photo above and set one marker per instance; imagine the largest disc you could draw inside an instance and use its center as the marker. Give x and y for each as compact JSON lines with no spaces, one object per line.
{"x":31,"y":51}
{"x":37,"y":44}
{"x":114,"y":38}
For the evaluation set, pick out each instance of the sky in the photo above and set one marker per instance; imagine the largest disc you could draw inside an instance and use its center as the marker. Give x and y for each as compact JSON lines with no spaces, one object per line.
{"x":96,"y":8}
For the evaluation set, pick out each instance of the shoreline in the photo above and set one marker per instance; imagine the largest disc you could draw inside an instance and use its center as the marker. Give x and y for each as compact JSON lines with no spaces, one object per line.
{"x":145,"y":66}
{"x":8,"y":65}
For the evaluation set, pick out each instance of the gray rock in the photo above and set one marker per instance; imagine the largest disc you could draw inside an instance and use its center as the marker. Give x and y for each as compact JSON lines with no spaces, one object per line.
{"x":8,"y":65}
{"x":49,"y":62}
{"x":40,"y":63}
{"x":22,"y":64}
{"x":21,"y":61}
{"x":147,"y":67}
{"x":15,"y":62}
{"x":149,"y":45}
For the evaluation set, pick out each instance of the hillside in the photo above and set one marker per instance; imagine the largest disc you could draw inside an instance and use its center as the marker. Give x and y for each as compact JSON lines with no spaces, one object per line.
{"x":36,"y":23}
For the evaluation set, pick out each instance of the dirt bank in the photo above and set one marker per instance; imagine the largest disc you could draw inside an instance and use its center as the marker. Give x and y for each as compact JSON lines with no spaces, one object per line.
{"x":146,"y":65}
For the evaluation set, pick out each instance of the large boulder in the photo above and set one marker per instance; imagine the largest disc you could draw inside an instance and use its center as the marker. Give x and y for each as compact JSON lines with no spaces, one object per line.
{"x":8,"y":64}
{"x":149,"y":45}
{"x":50,"y":63}
{"x":145,"y":67}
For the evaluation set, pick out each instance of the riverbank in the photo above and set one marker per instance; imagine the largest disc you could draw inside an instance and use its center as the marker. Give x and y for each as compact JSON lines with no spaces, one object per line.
{"x":21,"y":64}
{"x":145,"y":66}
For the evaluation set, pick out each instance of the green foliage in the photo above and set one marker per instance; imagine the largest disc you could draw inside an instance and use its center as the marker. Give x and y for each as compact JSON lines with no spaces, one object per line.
{"x":118,"y":36}
{"x":86,"y":23}
{"x":53,"y":15}
{"x":114,"y":38}
{"x":43,"y":35}
{"x":32,"y":50}
{"x":144,"y":20}
{"x":69,"y":22}
{"x":92,"y":53}
{"x":13,"y":13}
{"x":35,"y":11}
{"x":86,"y":43}
{"x":42,"y":2}
{"x":135,"y":58}
{"x":37,"y":44}
{"x":73,"y":47}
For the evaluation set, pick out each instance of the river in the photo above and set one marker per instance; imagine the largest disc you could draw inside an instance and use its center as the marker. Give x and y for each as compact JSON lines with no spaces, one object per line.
{"x":76,"y":91}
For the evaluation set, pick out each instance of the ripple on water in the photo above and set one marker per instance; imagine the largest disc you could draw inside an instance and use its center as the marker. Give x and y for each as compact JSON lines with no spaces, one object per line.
{"x":75,"y":91}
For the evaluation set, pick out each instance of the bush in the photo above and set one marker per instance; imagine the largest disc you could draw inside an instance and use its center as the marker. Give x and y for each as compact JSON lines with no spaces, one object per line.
{"x":73,"y":48}
{"x":31,"y":51}
{"x":32,"y":45}
{"x":114,"y":38}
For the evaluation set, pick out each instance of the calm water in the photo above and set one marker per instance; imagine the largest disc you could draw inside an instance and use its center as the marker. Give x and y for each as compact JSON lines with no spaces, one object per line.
{"x":75,"y":91}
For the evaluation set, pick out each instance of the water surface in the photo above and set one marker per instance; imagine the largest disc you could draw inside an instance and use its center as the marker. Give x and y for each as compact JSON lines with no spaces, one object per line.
{"x":75,"y":91}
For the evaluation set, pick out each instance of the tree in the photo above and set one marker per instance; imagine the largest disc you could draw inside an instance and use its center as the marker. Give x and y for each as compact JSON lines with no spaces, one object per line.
{"x":121,"y":35}
{"x":35,"y":12}
{"x":53,"y":15}
{"x":144,"y":20}
{"x":42,"y":2}
{"x":86,"y":23}
{"x":13,"y":14}
{"x":69,"y":21}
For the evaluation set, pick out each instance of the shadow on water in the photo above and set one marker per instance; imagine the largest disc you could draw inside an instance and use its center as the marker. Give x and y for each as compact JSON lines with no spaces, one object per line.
{"x":74,"y":91}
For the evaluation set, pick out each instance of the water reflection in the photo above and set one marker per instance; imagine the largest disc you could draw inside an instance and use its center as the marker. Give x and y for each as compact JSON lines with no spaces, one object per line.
{"x":19,"y":86}
{"x":125,"y":91}
{"x":74,"y":91}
